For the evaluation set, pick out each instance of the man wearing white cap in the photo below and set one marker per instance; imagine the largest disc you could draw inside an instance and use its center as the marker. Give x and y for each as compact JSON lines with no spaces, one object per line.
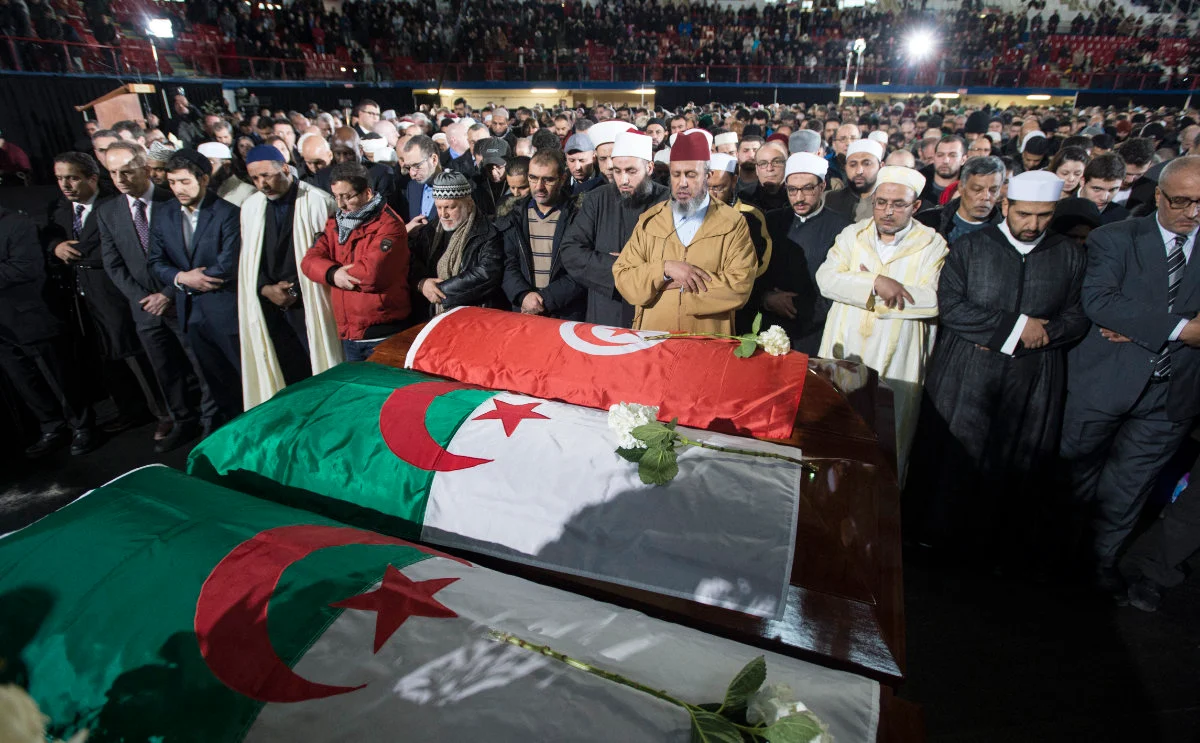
{"x":802,"y":237}
{"x":723,"y":186}
{"x":726,"y":143}
{"x":1009,"y":308}
{"x":690,"y":263}
{"x":603,"y":137}
{"x":228,"y":186}
{"x":864,"y":157}
{"x":603,"y":225}
{"x":882,"y":277}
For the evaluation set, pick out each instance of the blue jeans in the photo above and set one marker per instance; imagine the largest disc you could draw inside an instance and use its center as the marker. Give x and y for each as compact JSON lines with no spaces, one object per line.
{"x":359,"y":350}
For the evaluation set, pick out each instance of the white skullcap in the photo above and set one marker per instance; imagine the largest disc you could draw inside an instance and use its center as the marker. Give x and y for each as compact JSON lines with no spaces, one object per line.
{"x":215,"y":151}
{"x":606,"y":132}
{"x":725,"y":138}
{"x":878,"y":136}
{"x":806,"y":162}
{"x":903,"y":176}
{"x":869,"y":146}
{"x":663,"y":156}
{"x":374,"y":145}
{"x":994,"y":136}
{"x":389,"y":114}
{"x":705,"y":132}
{"x":402,"y":125}
{"x":439,"y":137}
{"x":1031,"y":135}
{"x":468,"y":121}
{"x":1035,"y":185}
{"x":633,"y":144}
{"x":722,"y":162}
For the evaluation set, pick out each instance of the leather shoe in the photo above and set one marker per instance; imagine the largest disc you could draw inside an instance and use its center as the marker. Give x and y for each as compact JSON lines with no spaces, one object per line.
{"x":181,"y":433}
{"x":47,"y":443}
{"x":83,"y":442}
{"x":164,"y":429}
{"x":1145,"y":594}
{"x":1110,"y":582}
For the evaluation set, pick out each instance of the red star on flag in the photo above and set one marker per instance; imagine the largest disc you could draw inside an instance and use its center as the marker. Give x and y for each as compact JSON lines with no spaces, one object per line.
{"x":397,"y":599}
{"x":621,"y":332}
{"x":510,"y":415}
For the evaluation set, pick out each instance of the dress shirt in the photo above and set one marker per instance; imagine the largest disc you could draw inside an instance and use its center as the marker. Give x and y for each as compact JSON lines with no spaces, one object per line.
{"x":87,"y":208}
{"x":1168,"y":245}
{"x":146,"y":198}
{"x":426,"y":198}
{"x":687,"y":227}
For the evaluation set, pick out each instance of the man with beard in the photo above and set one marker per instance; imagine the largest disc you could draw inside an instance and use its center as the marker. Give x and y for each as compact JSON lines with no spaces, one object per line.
{"x":747,"y":149}
{"x":881,"y":276}
{"x":975,"y":207}
{"x":285,"y":320}
{"x":501,"y":129}
{"x":581,"y":162}
{"x":657,"y":131}
{"x":863,"y":160}
{"x":600,"y":230}
{"x":1009,"y":308}
{"x":603,"y":136}
{"x":491,"y":188}
{"x":845,"y":134}
{"x":157,"y":157}
{"x":690,"y":263}
{"x":532,"y":228}
{"x":948,"y":157}
{"x":226,"y":185}
{"x":420,"y":158}
{"x":723,"y":186}
{"x":801,"y":237}
{"x":769,"y":164}
{"x":347,"y":148}
{"x":194,"y":248}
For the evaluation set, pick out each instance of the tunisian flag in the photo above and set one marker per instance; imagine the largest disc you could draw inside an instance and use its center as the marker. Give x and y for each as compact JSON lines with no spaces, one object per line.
{"x":700,"y":382}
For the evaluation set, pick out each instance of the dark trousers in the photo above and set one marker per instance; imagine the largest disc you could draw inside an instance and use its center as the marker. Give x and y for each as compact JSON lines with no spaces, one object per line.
{"x":289,"y":335}
{"x":359,"y":350}
{"x":1114,"y":462}
{"x":45,"y":378}
{"x":219,"y":362}
{"x":1160,"y":553}
{"x":172,"y":366}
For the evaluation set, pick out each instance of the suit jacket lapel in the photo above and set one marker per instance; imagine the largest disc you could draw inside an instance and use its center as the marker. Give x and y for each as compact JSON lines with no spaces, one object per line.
{"x":1154,"y":257}
{"x":202,"y":221}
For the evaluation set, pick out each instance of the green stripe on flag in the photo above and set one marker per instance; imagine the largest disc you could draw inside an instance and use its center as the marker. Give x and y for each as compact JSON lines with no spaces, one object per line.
{"x":98,"y":603}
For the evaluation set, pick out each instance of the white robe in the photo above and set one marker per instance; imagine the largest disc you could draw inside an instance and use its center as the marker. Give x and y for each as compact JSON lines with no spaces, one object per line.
{"x":860,"y":327}
{"x":262,"y":376}
{"x":235,"y":190}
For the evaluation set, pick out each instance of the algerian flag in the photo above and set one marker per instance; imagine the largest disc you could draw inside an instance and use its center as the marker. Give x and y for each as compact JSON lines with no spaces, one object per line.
{"x":160,"y":607}
{"x":525,"y":479}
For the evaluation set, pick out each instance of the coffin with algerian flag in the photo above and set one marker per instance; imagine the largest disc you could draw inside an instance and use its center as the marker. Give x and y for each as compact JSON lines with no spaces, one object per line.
{"x":521,"y":478}
{"x":161,"y":607}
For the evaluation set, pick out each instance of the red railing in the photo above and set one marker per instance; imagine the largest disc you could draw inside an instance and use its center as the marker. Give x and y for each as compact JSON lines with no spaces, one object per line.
{"x":136,"y":56}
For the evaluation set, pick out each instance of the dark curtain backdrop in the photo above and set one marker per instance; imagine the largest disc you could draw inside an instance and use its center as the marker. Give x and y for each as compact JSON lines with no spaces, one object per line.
{"x":38,"y":113}
{"x":326,"y":97}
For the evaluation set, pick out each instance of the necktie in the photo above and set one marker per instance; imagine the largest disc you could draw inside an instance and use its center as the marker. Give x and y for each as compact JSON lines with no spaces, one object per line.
{"x":77,"y":221}
{"x":141,"y":224}
{"x":1176,"y":263}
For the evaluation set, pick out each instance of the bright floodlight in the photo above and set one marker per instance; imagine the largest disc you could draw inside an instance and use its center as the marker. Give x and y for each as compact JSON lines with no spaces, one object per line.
{"x":160,"y":28}
{"x":921,"y":44}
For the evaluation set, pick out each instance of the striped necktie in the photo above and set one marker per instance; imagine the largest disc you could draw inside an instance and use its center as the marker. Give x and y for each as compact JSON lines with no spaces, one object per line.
{"x":141,"y":224}
{"x":77,"y":222}
{"x":1176,"y":263}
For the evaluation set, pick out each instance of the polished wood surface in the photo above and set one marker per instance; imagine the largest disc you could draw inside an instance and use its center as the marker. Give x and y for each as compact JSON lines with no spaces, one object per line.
{"x":845,"y":605}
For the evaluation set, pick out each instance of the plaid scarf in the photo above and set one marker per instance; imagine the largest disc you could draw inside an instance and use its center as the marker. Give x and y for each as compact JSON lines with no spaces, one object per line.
{"x":347,"y":222}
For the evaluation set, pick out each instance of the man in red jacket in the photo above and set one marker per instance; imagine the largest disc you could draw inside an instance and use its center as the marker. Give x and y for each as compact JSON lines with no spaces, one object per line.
{"x":363,"y":255}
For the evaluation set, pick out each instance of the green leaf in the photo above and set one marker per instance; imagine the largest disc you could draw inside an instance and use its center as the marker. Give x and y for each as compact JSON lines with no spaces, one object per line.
{"x":746,"y":349}
{"x":654,"y":434}
{"x":757,"y":324}
{"x":631,"y":455}
{"x":800,"y":728}
{"x":708,"y":727}
{"x":658,"y":466}
{"x":674,"y":422}
{"x":746,"y":682}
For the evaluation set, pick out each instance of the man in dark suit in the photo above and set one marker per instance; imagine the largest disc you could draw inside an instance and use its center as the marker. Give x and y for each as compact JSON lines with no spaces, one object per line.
{"x":101,"y":312}
{"x":1134,"y":381}
{"x":124,"y":224}
{"x":33,"y":351}
{"x":194,"y":247}
{"x":420,"y":156}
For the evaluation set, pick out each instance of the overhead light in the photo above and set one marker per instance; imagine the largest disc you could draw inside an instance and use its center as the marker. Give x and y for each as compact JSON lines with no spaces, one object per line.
{"x":160,"y":28}
{"x":852,"y":94}
{"x":1037,"y":97}
{"x":543,"y":91}
{"x":643,"y":91}
{"x":946,"y":96}
{"x":431,"y":91}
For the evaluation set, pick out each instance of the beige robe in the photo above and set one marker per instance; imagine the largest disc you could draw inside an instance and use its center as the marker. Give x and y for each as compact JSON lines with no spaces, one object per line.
{"x":721,"y":246}
{"x":860,"y":327}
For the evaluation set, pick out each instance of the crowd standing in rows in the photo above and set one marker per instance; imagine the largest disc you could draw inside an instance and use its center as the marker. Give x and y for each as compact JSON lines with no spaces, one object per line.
{"x":1021,"y":279}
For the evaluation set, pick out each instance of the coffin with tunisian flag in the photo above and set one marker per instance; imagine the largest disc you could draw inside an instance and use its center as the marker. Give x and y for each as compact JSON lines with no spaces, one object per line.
{"x":164,"y":608}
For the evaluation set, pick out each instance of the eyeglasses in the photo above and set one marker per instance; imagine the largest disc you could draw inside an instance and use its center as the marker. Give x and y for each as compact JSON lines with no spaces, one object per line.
{"x":808,"y":190}
{"x":778,"y":162}
{"x":977,"y":150}
{"x":1179,"y":203}
{"x":891,"y":206}
{"x":368,"y":112}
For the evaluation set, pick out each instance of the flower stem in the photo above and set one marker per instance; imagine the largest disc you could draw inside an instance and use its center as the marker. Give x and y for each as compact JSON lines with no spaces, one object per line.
{"x":665,"y":336}
{"x":812,"y":470}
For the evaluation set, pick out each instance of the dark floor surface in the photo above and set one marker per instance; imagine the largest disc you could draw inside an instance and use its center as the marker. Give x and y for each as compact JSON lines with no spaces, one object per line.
{"x":989,"y":659}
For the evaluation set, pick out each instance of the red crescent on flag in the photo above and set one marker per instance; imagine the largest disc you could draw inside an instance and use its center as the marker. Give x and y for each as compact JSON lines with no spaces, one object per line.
{"x":587,"y":333}
{"x":402,"y":423}
{"x":231,"y":613}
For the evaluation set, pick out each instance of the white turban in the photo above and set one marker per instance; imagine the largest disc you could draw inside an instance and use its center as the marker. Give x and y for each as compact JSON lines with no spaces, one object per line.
{"x":869,"y":146}
{"x":1035,"y":185}
{"x":806,"y":162}
{"x":903,"y":176}
{"x":721,"y":162}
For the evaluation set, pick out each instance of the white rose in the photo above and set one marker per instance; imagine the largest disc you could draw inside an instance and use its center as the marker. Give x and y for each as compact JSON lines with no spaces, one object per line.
{"x":20,"y":719}
{"x":775,"y":341}
{"x":772,"y":703}
{"x":626,"y":416}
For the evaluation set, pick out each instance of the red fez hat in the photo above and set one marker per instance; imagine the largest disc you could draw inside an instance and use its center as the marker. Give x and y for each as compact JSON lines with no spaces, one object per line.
{"x":777,"y":137}
{"x":690,"y":145}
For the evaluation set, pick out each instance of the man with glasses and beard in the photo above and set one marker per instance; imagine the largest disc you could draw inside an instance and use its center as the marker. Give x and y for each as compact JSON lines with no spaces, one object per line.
{"x":801,"y":238}
{"x":1009,"y":309}
{"x":881,"y":276}
{"x":863,"y":159}
{"x":690,"y":263}
{"x":421,"y":160}
{"x":602,"y":227}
